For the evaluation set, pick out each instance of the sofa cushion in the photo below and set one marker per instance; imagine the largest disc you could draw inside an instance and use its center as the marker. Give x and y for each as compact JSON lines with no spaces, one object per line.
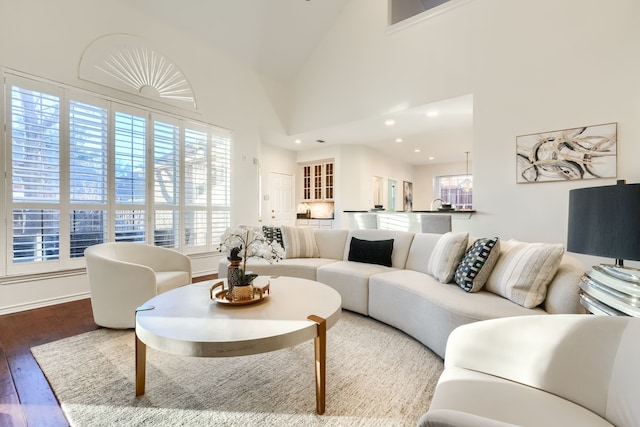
{"x":331,"y":242}
{"x":304,"y":268}
{"x":299,"y":242}
{"x":167,"y":280}
{"x":371,"y":251}
{"x":524,"y":270}
{"x":447,"y":255}
{"x":351,"y":280}
{"x":476,"y":265}
{"x":428,"y":310}
{"x":421,"y":249}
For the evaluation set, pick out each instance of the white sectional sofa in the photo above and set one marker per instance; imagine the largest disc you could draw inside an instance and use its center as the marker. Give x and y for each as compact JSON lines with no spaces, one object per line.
{"x":551,"y":371}
{"x":405,"y":293}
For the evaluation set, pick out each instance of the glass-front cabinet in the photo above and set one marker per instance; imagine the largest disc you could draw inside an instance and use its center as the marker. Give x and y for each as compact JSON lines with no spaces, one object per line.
{"x":317,"y":181}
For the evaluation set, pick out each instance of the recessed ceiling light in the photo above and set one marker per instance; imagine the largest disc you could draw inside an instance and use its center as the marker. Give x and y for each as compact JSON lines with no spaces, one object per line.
{"x":398,"y":139}
{"x":432,"y":114}
{"x":431,"y":157}
{"x":390,"y":122}
{"x":417,"y":150}
{"x":297,"y":141}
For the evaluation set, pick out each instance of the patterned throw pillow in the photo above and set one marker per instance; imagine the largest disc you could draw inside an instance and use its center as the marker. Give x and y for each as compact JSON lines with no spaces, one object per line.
{"x":476,"y":265}
{"x":524,"y":270}
{"x":273,"y":234}
{"x":299,"y":242}
{"x":446,"y":256}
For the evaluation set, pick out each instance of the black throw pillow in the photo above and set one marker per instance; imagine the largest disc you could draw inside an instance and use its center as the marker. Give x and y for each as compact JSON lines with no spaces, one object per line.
{"x":371,"y":251}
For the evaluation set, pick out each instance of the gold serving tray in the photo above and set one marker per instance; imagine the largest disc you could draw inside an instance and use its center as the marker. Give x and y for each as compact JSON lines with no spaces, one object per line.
{"x":221,"y":296}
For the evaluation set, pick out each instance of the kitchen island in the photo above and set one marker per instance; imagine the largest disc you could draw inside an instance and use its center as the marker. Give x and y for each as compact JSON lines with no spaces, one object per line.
{"x":397,"y":220}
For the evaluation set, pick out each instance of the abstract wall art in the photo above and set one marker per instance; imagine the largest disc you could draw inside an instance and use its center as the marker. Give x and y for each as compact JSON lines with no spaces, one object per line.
{"x":587,"y":152}
{"x":407,"y":200}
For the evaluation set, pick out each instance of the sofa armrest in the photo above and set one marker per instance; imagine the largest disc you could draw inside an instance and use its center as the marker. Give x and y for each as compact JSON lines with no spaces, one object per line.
{"x":117,"y":288}
{"x":451,"y":418}
{"x":571,"y":356}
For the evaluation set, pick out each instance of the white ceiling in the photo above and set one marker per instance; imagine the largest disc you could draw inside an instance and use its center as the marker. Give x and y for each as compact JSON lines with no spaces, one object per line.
{"x":275,"y":37}
{"x":441,"y":131}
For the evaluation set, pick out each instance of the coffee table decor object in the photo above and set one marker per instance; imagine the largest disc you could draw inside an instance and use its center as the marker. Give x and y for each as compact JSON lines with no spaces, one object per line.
{"x":243,"y":243}
{"x":240,"y":295}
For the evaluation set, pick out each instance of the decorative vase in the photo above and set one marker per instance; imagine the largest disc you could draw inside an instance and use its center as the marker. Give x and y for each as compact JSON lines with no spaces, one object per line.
{"x":234,"y":274}
{"x":242,"y":292}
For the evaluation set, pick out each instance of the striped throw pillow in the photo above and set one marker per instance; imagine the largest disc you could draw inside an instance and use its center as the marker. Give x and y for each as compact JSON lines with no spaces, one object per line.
{"x":299,"y":242}
{"x":524,"y":270}
{"x":446,"y":255}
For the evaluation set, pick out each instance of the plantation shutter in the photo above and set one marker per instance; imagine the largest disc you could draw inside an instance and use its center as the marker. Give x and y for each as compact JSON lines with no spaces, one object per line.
{"x":166,"y":151}
{"x":195,"y":187}
{"x":35,"y":174}
{"x":88,"y":194}
{"x":130,"y":177}
{"x":220,"y":184}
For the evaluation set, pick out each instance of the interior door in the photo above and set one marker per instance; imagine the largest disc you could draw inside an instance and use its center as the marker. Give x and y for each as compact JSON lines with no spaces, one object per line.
{"x":281,"y":199}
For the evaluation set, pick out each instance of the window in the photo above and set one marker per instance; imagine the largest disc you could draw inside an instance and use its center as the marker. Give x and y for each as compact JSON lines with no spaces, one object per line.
{"x":87,"y":175}
{"x":449,"y":189}
{"x":35,"y":178}
{"x":85,"y":170}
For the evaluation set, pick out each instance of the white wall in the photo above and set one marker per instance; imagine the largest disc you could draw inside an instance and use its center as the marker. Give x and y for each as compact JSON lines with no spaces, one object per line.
{"x":531,"y":67}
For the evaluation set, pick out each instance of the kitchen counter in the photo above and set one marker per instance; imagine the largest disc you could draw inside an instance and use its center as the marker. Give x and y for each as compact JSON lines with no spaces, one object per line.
{"x":460,"y":211}
{"x":400,"y":220}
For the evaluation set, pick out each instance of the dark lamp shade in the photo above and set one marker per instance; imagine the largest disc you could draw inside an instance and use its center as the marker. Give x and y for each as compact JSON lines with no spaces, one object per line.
{"x":605,"y":221}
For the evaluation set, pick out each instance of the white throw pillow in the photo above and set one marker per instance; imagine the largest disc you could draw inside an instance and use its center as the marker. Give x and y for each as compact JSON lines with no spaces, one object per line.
{"x":446,"y":255}
{"x":524,"y":270}
{"x":299,"y":242}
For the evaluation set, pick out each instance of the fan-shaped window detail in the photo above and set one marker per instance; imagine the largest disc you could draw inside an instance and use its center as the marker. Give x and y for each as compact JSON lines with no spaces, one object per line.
{"x":130,"y":64}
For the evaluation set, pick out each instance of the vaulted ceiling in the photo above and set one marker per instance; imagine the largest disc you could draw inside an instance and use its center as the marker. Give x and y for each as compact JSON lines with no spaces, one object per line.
{"x":275,"y":38}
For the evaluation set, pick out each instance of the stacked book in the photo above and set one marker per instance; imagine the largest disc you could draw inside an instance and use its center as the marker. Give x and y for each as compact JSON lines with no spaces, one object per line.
{"x":611,"y":290}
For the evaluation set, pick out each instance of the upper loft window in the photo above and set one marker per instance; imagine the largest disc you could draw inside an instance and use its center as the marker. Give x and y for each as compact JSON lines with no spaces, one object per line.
{"x":410,"y":11}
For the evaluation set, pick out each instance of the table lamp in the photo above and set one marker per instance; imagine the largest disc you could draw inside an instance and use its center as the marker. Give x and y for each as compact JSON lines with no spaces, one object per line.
{"x":605,"y":221}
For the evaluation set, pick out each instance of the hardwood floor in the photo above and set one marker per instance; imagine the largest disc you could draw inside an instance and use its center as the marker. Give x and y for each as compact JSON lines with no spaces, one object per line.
{"x":26,"y":400}
{"x":25,"y":396}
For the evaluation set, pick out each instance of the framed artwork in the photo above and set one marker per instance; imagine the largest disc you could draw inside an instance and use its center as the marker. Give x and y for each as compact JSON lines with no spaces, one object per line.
{"x":407,"y":199}
{"x":587,"y":152}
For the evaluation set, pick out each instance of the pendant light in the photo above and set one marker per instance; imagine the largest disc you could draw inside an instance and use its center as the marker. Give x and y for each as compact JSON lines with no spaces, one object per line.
{"x":467,"y":185}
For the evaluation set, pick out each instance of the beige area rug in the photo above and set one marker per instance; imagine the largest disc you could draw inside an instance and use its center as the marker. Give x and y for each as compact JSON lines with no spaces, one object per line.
{"x":376,"y":376}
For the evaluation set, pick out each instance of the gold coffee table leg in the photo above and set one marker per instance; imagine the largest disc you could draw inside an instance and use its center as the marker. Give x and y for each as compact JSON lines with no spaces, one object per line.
{"x":320,"y":344}
{"x":141,"y":366}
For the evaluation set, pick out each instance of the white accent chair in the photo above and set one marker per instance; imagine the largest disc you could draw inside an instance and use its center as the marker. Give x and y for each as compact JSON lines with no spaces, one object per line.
{"x":559,"y":370}
{"x":124,"y":275}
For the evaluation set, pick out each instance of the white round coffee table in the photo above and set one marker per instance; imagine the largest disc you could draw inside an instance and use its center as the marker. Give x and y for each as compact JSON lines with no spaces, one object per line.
{"x":186,"y":322}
